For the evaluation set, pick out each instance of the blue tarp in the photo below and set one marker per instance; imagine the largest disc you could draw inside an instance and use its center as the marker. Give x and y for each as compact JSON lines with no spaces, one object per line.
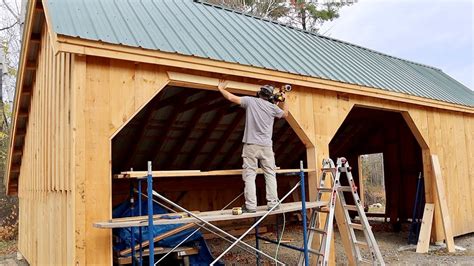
{"x":204,"y":256}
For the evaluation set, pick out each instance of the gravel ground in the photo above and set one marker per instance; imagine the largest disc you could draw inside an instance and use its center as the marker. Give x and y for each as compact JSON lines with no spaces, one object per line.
{"x":388,"y":242}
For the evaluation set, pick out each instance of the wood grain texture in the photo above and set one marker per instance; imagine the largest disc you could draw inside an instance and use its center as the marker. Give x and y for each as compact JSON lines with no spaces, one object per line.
{"x":211,"y":216}
{"x":90,"y":99}
{"x":446,"y":219}
{"x":45,"y":235}
{"x":425,"y":231}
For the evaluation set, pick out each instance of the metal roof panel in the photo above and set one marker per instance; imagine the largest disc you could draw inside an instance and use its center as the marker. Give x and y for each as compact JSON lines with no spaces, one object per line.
{"x":192,"y":28}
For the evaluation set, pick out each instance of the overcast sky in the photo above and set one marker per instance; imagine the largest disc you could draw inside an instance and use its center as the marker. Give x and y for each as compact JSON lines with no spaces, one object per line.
{"x":438,"y":33}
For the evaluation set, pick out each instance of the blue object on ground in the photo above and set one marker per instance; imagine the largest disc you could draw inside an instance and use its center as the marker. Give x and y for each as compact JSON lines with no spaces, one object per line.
{"x":204,"y":256}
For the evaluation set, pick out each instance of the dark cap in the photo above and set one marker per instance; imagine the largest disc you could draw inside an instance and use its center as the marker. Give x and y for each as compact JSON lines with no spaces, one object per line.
{"x":266,"y":91}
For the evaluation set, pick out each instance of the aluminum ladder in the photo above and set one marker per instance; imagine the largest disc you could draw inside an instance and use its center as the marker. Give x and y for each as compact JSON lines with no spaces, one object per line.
{"x":326,"y":232}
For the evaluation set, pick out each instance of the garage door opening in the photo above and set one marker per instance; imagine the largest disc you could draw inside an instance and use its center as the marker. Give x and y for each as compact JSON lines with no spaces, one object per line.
{"x":375,"y":131}
{"x":191,"y":129}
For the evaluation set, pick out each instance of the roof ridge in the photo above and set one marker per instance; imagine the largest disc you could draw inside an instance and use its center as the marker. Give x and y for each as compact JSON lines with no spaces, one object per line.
{"x":312,"y":33}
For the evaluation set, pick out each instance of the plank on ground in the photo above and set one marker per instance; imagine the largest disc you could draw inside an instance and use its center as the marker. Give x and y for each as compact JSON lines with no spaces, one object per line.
{"x":425,"y":231}
{"x":210,"y":216}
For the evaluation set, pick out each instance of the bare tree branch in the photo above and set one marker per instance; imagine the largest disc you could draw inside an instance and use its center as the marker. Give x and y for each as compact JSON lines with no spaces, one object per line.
{"x":13,"y":13}
{"x":9,"y":27}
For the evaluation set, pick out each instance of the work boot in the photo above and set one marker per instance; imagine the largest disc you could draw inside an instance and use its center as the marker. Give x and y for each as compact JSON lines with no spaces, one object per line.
{"x":270,"y":207}
{"x":245,"y":210}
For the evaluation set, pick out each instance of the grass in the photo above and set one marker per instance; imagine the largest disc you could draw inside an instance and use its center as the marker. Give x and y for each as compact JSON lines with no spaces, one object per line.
{"x":7,"y":247}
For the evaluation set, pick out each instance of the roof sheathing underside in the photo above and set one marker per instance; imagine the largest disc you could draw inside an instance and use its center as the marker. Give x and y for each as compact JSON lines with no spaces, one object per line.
{"x":189,"y":129}
{"x":207,"y":31}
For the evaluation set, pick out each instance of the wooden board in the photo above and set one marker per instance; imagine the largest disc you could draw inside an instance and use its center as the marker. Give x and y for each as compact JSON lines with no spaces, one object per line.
{"x":183,"y":251}
{"x":211,"y":216}
{"x":425,"y":231}
{"x":445,"y":217}
{"x":146,"y":243}
{"x":185,"y":173}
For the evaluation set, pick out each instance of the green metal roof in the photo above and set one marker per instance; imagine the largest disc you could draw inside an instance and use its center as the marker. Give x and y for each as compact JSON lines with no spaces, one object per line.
{"x":191,"y":28}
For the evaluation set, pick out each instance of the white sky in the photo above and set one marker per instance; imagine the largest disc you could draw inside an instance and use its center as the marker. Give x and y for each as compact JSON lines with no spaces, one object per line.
{"x":438,"y":33}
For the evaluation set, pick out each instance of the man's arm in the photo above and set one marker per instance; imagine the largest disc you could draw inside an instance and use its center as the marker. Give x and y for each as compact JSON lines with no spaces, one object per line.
{"x":284,"y":107}
{"x":229,"y":96}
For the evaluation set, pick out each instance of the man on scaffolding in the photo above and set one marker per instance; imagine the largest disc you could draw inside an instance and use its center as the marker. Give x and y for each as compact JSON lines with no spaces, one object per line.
{"x":260,"y":113}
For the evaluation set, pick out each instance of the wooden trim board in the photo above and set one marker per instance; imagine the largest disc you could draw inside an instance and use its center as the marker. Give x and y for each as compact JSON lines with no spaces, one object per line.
{"x":96,"y":48}
{"x":443,"y":206}
{"x":188,"y":173}
{"x":211,"y":216}
{"x":425,"y":231}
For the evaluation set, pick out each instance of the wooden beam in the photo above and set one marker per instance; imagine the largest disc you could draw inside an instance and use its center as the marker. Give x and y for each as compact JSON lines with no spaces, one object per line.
{"x":129,"y":157}
{"x":211,"y":216}
{"x":154,"y":152}
{"x":425,"y":230}
{"x":23,"y":113}
{"x":99,"y":48}
{"x":31,"y":65}
{"x":15,"y":168}
{"x":202,"y":139}
{"x":443,"y":206}
{"x":191,"y":124}
{"x":35,"y":38}
{"x":197,"y":173}
{"x":181,"y":140}
{"x":20,"y":132}
{"x":39,"y":6}
{"x":181,"y":251}
{"x":220,"y":144}
{"x":288,"y":135}
{"x":17,"y":153}
{"x":158,"y":238}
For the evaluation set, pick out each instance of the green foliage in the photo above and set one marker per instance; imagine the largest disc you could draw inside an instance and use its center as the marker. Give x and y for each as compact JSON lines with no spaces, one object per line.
{"x":312,"y":14}
{"x":272,"y":9}
{"x":305,"y":14}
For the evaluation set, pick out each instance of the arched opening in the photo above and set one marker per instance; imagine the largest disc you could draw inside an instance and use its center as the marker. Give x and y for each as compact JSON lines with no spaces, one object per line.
{"x":193,"y":129}
{"x":376,"y":131}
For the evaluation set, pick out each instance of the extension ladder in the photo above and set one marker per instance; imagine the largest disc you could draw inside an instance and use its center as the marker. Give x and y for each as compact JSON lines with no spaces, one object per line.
{"x":326,"y":231}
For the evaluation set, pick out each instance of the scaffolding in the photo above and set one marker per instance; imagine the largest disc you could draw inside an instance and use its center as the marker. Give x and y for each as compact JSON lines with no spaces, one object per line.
{"x":203,"y":219}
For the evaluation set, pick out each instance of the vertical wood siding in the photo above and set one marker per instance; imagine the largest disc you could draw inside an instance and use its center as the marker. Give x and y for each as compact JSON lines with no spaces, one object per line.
{"x":45,"y":230}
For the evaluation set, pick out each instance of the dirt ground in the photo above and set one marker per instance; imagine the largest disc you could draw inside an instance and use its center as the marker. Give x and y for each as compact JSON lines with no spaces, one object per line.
{"x":389,"y":243}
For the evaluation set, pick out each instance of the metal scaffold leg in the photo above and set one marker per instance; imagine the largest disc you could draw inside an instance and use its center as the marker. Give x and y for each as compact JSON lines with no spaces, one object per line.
{"x":150,"y":191}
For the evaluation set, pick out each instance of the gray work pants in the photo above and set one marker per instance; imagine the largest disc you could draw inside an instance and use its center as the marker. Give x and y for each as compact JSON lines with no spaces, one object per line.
{"x":251,"y":155}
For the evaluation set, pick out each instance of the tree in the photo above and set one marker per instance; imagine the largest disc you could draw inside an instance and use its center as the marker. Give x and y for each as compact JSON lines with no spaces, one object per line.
{"x":311,"y":14}
{"x":305,"y":14}
{"x":270,"y":9}
{"x":10,"y":28}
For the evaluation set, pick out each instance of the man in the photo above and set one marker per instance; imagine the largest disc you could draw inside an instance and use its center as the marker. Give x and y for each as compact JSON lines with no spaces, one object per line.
{"x":260,"y":114}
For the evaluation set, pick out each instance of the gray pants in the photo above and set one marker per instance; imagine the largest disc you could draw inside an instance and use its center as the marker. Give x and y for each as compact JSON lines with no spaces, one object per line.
{"x":251,"y":155}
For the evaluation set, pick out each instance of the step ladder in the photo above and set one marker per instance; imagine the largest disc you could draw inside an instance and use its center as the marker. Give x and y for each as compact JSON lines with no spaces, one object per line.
{"x":326,"y":231}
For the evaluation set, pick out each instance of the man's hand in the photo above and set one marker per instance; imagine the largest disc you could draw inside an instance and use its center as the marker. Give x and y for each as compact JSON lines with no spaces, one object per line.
{"x":222,"y":84}
{"x":229,"y":96}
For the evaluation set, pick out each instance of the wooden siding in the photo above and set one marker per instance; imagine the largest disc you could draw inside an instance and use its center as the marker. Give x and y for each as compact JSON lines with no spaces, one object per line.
{"x":446,"y":133}
{"x":106,"y":93}
{"x":45,"y":194}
